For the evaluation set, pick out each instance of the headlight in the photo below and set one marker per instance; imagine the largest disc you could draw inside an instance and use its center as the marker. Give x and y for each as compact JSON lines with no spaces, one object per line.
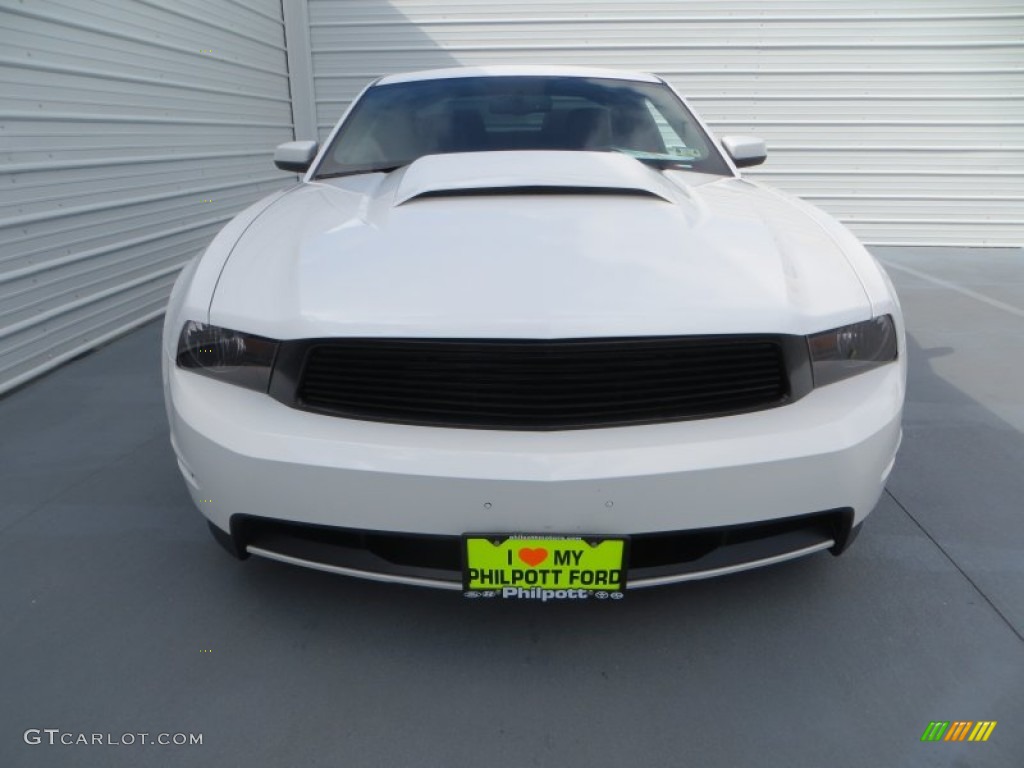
{"x":852,"y":349}
{"x":232,"y":356}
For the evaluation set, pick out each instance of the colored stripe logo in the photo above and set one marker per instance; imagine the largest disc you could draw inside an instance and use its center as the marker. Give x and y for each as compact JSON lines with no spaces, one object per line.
{"x":958,"y":730}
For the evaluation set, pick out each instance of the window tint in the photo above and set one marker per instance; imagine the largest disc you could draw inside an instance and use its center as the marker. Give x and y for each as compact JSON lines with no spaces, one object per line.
{"x":392,"y":125}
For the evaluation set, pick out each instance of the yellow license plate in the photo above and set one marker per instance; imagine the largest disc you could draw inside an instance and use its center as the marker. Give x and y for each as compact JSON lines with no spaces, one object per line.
{"x":544,"y":567}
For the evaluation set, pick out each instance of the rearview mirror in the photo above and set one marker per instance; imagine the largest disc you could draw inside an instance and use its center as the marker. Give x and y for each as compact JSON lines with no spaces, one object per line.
{"x":295,"y":156}
{"x":745,"y":150}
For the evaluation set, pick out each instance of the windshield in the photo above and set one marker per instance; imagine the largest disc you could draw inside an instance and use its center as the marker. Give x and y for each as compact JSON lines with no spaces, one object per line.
{"x":394,"y":124}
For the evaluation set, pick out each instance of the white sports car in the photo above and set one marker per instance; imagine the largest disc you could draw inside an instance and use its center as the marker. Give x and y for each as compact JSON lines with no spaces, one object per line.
{"x":526,"y":332}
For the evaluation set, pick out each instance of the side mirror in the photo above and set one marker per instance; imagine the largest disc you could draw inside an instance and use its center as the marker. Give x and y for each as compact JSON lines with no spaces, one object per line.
{"x":295,"y":156}
{"x":745,"y":150}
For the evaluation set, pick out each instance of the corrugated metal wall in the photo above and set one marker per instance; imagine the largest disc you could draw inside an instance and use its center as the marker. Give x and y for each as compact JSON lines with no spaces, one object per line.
{"x":130,"y":131}
{"x":905,"y":118}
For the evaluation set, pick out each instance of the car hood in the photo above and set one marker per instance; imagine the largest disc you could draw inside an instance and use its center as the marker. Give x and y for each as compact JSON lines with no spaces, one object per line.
{"x":535,"y":245}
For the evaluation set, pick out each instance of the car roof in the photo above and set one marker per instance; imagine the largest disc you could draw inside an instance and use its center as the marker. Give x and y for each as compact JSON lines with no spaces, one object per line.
{"x":512,"y":70}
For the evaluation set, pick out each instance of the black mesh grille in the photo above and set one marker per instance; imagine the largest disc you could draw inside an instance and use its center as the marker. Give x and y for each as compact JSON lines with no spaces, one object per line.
{"x":540,"y":384}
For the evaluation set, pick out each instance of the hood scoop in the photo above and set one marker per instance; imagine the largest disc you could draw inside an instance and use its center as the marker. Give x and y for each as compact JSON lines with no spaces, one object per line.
{"x":529,"y":173}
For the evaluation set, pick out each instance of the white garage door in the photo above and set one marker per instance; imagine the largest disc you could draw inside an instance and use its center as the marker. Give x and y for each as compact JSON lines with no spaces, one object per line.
{"x":904,"y":118}
{"x":129,"y":133}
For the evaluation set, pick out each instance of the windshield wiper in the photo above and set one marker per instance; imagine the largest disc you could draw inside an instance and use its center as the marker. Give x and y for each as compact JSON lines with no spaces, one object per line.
{"x":656,"y":159}
{"x":381,"y":169}
{"x":664,"y":163}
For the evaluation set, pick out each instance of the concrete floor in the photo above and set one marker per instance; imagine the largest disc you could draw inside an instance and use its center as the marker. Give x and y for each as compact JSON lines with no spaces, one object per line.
{"x":111,"y":591}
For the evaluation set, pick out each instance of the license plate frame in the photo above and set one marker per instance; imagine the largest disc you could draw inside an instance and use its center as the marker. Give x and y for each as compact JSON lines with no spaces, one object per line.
{"x":597,"y":564}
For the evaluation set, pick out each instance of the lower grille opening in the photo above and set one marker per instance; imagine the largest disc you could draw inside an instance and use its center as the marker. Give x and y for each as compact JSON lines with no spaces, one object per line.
{"x":655,"y":550}
{"x":439,"y":558}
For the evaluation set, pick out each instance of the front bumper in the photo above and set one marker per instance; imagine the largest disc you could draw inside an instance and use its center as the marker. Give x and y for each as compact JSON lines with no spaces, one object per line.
{"x":246,"y":456}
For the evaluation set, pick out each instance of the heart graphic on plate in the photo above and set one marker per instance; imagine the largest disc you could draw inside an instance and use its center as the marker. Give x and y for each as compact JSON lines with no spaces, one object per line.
{"x":533,"y":557}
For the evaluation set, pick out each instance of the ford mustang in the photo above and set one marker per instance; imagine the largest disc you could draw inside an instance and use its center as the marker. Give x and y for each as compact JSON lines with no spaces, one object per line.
{"x":528,"y":333}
